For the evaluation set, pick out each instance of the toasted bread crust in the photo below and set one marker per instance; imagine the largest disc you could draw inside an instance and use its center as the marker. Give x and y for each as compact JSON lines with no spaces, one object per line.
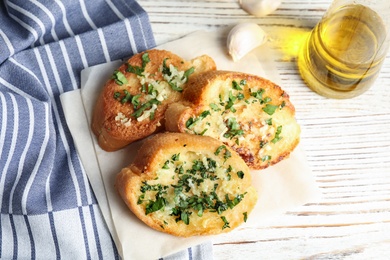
{"x":251,"y":114}
{"x":115,"y":120}
{"x":154,"y":166}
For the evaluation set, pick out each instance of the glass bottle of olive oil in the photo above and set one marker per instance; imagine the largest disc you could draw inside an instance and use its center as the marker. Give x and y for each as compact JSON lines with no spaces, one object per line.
{"x":342,"y":56}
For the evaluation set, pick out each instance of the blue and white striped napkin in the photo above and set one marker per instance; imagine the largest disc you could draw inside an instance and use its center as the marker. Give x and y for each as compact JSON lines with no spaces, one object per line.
{"x":48,"y":209}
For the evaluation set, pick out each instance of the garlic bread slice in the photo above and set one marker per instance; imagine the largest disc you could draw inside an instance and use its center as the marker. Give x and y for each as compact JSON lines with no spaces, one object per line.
{"x":250,"y":114}
{"x":187,"y":185}
{"x":132,"y":103}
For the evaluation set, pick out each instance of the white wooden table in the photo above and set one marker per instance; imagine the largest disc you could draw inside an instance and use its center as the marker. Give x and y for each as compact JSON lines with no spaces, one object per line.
{"x":347,"y":144}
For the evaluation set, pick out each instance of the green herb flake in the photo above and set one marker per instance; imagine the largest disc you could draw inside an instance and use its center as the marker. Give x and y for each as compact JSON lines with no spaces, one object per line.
{"x":135,"y":100}
{"x":257,"y":94}
{"x":204,"y":114}
{"x":226,"y":223}
{"x":185,"y":217}
{"x":144,"y":107}
{"x":151,"y":116}
{"x":266,"y":158}
{"x":240,"y":174}
{"x":203,"y":132}
{"x":175,"y":157}
{"x":266,"y":100}
{"x":230,"y":102}
{"x":214,"y":107}
{"x":188,"y":72}
{"x":219,"y":149}
{"x":117,"y":95}
{"x":127,"y":97}
{"x":233,"y":128}
{"x":175,"y":87}
{"x":263,"y":143}
{"x":119,"y":78}
{"x":166,"y":165}
{"x":240,"y":96}
{"x":192,"y":121}
{"x":145,"y":59}
{"x":268,"y":121}
{"x":227,"y":153}
{"x":165,"y":68}
{"x":134,"y":69}
{"x":277,"y":137}
{"x":245,"y":216}
{"x":235,"y":85}
{"x":156,"y":205}
{"x":270,"y":109}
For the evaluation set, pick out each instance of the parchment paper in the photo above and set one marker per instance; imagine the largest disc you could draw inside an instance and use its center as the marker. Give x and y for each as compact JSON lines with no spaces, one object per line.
{"x":281,"y":187}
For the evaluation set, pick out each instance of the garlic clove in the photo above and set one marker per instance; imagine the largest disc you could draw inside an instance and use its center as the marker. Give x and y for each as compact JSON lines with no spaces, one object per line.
{"x":243,"y":38}
{"x":260,"y":7}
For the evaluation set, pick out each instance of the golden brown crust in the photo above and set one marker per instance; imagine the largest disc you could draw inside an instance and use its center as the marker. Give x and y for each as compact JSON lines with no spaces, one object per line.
{"x":154,"y":165}
{"x":251,"y":114}
{"x":115,"y":123}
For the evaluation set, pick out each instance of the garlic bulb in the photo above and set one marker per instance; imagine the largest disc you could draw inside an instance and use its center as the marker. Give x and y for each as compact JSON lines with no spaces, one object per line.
{"x":260,"y":7}
{"x":243,"y":38}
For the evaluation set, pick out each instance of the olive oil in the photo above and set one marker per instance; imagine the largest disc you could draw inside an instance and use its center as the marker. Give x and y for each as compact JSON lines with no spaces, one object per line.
{"x":342,"y":56}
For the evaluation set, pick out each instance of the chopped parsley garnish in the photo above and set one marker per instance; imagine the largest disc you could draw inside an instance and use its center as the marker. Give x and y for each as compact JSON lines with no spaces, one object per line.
{"x":173,"y":83}
{"x":119,"y":78}
{"x":156,"y":205}
{"x":153,"y":205}
{"x":165,"y":69}
{"x":192,"y":121}
{"x":227,"y":154}
{"x":166,"y":165}
{"x":214,"y":107}
{"x":258,"y":94}
{"x":117,"y":95}
{"x":135,"y":101}
{"x":240,"y":174}
{"x":240,"y":96}
{"x":175,"y":87}
{"x":175,"y":157}
{"x":245,"y":216}
{"x":236,"y":86}
{"x":277,"y":135}
{"x":230,"y":102}
{"x":126,"y":98}
{"x":186,"y":202}
{"x":233,"y":128}
{"x":226,"y":223}
{"x":270,"y":109}
{"x":136,"y":69}
{"x":145,"y":59}
{"x":185,"y":216}
{"x":144,"y":107}
{"x":188,"y":72}
{"x":266,"y":158}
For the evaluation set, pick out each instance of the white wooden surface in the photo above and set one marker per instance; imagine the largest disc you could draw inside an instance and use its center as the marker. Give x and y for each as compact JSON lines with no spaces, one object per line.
{"x":347,"y":144}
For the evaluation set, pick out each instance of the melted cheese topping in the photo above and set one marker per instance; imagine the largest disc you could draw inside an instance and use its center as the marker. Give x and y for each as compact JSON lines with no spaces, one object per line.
{"x":254,"y":126}
{"x":158,"y":90}
{"x":188,"y":176}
